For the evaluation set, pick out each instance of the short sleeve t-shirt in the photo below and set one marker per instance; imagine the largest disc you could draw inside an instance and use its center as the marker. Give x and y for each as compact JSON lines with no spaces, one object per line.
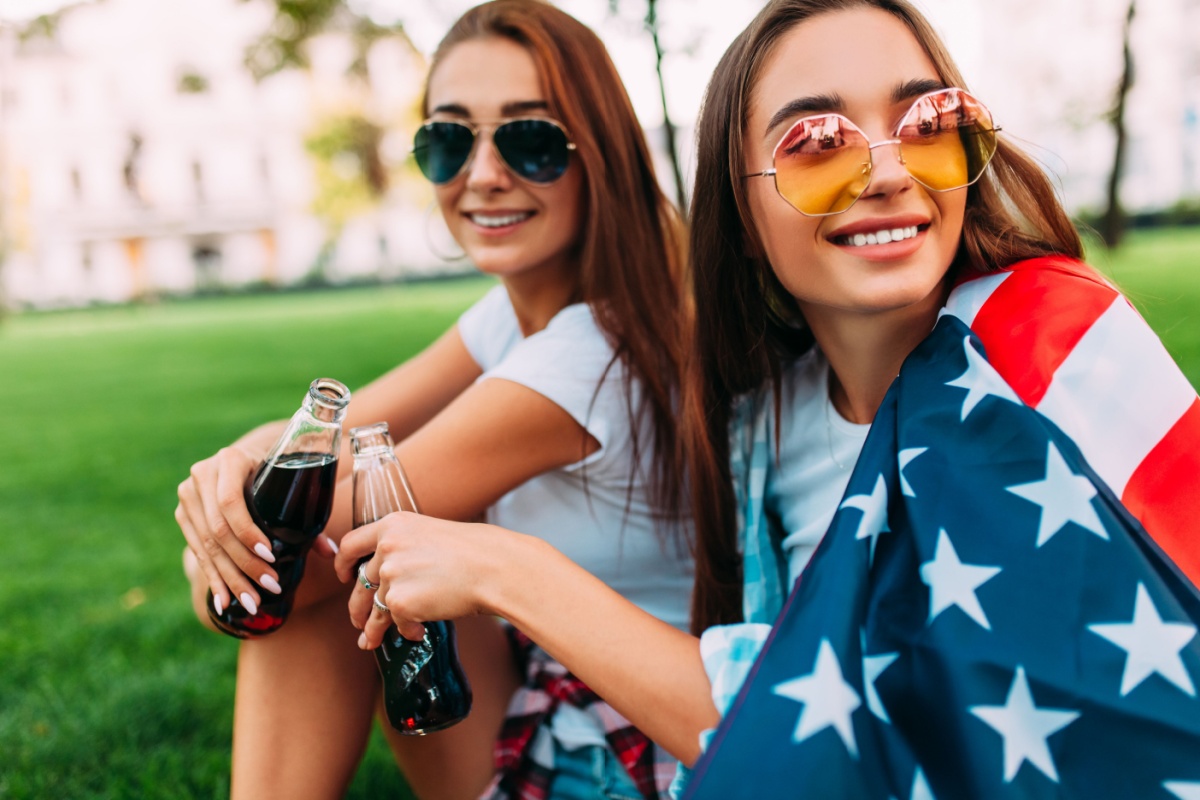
{"x":595,"y":511}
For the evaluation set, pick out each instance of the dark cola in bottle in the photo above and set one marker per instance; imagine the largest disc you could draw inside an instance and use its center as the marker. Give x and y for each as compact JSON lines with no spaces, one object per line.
{"x":289,"y":497}
{"x":424,"y":687}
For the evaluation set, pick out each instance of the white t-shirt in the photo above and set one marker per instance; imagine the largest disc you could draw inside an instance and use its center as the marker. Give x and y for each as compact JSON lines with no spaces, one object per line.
{"x":586,"y":510}
{"x":588,"y":522}
{"x":818,"y":448}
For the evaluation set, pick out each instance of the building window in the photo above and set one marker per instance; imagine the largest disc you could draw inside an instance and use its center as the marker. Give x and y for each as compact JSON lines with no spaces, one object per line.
{"x":206,"y":259}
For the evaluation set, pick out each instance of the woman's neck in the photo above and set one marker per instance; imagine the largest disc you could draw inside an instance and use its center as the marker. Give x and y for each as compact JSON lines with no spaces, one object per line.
{"x":538,"y":295}
{"x":865,"y":351}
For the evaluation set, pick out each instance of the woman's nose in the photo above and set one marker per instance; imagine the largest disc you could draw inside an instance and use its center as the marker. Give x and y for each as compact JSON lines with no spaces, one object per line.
{"x":888,"y":173}
{"x":487,"y":172}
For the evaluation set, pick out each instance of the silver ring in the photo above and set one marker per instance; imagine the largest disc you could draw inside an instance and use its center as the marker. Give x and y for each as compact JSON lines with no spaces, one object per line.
{"x":363,"y":579}
{"x":375,"y":601}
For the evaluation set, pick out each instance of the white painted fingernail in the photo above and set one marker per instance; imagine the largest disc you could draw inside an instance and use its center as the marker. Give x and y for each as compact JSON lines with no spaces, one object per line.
{"x":333,"y":546}
{"x":218,"y":606}
{"x":270,"y":584}
{"x":264,"y":553}
{"x":362,"y":641}
{"x":249,"y":603}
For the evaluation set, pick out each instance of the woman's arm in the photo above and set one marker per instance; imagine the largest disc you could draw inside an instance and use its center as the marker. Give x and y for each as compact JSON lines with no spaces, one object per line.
{"x":432,"y":569}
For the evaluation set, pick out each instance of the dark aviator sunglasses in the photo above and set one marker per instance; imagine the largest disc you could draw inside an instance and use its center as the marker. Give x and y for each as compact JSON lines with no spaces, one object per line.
{"x":535,"y":149}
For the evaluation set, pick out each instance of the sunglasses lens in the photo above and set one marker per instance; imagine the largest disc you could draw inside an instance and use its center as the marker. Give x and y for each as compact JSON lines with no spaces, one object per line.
{"x":535,"y":149}
{"x":441,"y":149}
{"x":822,"y":165}
{"x":947,"y":139}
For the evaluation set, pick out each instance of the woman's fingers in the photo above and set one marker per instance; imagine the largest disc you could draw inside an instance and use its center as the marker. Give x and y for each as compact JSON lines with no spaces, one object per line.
{"x":380,"y":619}
{"x":198,"y":569}
{"x":185,"y":516}
{"x":355,"y":546}
{"x":324,"y":546}
{"x":366,"y":584}
{"x":226,"y":577}
{"x":222,"y":482}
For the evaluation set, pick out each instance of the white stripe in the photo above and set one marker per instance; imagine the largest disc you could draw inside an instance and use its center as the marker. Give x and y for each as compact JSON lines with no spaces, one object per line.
{"x":1117,"y":394}
{"x":966,"y":300}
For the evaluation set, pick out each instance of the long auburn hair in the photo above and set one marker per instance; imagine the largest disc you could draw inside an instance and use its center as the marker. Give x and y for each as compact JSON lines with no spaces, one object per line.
{"x":751,"y":324}
{"x":631,"y":252}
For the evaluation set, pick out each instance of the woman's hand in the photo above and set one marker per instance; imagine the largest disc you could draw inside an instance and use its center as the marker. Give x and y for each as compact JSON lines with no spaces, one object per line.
{"x":423,"y":569}
{"x":217,"y":525}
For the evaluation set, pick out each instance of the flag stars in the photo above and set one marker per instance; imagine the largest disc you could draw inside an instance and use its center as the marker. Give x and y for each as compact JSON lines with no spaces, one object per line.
{"x":980,"y":380}
{"x":1184,"y":790}
{"x":873,"y":667}
{"x":1025,"y":728}
{"x":874,"y":513}
{"x":953,"y":583}
{"x":1150,"y":645}
{"x":828,"y":700}
{"x":905,"y":458}
{"x":1064,"y":497}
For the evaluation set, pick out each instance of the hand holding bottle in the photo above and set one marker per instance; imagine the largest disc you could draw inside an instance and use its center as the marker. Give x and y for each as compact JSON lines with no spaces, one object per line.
{"x":248,"y":518}
{"x":215,"y":521}
{"x":426,"y":569}
{"x":424,"y":686}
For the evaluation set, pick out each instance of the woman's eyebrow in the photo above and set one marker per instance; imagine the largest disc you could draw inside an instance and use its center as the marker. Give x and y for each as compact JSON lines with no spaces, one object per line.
{"x":523,"y":106}
{"x":910,"y":90}
{"x":454,"y":109}
{"x":804,"y":105}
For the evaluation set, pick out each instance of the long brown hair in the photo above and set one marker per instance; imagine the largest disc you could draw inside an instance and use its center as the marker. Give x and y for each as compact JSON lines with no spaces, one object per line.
{"x":631,"y":249}
{"x":751,"y":324}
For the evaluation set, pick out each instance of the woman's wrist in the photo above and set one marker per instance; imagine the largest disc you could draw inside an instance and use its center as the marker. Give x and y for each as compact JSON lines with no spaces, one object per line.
{"x":510,"y":564}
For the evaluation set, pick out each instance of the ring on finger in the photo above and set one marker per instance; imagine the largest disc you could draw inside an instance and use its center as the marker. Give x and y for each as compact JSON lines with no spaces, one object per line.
{"x":379,"y":604}
{"x":363,"y":579}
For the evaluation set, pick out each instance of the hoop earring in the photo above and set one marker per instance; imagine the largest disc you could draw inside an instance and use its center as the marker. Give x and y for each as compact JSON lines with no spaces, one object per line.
{"x":439,"y":251}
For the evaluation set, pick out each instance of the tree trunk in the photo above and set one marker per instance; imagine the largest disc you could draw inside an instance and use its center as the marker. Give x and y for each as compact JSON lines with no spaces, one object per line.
{"x":1113,"y":225}
{"x":668,"y":126}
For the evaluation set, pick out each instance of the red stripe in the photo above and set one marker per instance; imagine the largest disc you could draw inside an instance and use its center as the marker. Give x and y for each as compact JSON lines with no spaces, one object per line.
{"x":1164,"y":493}
{"x":1033,"y":320}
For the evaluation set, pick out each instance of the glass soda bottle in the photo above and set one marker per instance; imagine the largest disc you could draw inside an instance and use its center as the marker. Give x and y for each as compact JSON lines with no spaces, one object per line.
{"x":290,"y":496}
{"x":424,"y":687}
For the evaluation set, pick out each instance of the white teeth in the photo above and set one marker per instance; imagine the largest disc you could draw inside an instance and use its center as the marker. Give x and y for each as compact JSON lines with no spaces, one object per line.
{"x":493,"y":221}
{"x":878,"y":237}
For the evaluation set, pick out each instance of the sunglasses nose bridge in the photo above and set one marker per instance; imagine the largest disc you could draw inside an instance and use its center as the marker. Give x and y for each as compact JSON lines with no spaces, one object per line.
{"x":485,"y":156}
{"x":885,"y":143}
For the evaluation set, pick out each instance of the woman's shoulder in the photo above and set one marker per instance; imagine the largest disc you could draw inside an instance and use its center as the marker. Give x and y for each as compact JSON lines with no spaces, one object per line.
{"x":489,"y":328}
{"x":1030,"y":291}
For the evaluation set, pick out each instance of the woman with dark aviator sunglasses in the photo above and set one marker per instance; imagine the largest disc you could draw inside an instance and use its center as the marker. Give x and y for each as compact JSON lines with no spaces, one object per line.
{"x":549,"y":407}
{"x":846,"y":185}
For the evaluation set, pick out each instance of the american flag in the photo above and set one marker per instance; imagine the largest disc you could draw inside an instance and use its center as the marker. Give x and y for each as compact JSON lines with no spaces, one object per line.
{"x":987,"y":616}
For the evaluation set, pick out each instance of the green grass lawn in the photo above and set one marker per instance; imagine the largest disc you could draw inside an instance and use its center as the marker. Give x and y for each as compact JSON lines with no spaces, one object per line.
{"x":108,"y":686}
{"x":1160,"y":272}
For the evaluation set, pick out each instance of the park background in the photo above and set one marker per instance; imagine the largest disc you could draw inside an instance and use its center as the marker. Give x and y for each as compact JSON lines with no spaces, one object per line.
{"x":161,"y":298}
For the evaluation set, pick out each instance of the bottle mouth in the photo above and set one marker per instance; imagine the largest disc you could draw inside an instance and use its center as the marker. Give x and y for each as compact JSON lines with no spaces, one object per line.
{"x":329,"y":393}
{"x":373,"y":438}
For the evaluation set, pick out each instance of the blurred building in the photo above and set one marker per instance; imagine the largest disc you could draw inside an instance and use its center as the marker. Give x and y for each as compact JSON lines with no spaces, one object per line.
{"x":138,"y":156}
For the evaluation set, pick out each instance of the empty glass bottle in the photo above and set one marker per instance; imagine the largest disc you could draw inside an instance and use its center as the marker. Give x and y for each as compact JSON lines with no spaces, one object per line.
{"x":290,"y":496}
{"x":424,"y":687}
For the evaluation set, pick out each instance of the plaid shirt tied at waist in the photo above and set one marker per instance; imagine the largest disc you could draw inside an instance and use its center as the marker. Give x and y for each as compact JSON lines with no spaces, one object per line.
{"x":518,"y":775}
